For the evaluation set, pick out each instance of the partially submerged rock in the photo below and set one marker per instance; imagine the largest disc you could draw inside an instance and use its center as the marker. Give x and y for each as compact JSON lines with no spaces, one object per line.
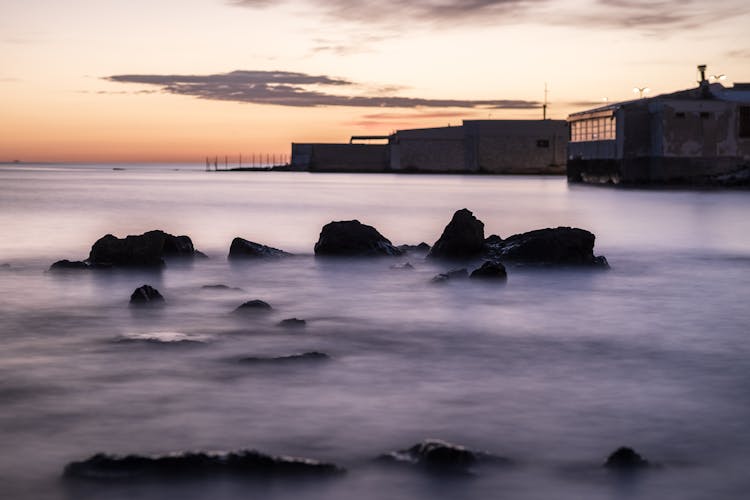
{"x":255,"y":305}
{"x":146,"y":295}
{"x":421,"y":248}
{"x":439,"y":455}
{"x":244,"y":249}
{"x":243,"y":463}
{"x":305,"y":356}
{"x":292,"y":323}
{"x":405,"y":266}
{"x":624,"y":459}
{"x":456,"y":274}
{"x":462,"y":238}
{"x":69,"y":265}
{"x":144,"y":250}
{"x":353,"y":239}
{"x":551,"y":246}
{"x":222,"y":288}
{"x":490,"y":270}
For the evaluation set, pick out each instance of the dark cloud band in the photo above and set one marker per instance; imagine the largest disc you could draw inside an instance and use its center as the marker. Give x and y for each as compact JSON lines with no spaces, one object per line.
{"x":284,"y":88}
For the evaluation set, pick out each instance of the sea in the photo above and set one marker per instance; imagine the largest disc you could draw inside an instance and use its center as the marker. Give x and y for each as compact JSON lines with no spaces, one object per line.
{"x":555,"y":369}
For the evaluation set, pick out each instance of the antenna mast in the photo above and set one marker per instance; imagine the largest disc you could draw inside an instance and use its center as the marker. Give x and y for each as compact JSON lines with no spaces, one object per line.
{"x":544,"y":106}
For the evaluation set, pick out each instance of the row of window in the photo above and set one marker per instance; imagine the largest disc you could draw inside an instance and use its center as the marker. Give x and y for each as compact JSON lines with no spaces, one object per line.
{"x":593,"y":129}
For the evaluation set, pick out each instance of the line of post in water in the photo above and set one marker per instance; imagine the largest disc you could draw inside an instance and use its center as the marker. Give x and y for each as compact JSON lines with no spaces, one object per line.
{"x":255,"y":161}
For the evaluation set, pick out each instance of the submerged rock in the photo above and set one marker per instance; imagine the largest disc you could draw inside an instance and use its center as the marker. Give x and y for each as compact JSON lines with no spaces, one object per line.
{"x":354,"y":239}
{"x":421,"y":248}
{"x":246,"y":463}
{"x":146,"y":295}
{"x":490,"y":271}
{"x":244,"y":249}
{"x":255,"y":305}
{"x":558,"y":246}
{"x":625,"y":458}
{"x":406,"y":266}
{"x":305,"y":356}
{"x":69,"y":265}
{"x":144,"y":250}
{"x":456,"y":274}
{"x":435,"y":454}
{"x":222,"y":288}
{"x":463,"y":237}
{"x":293,"y":323}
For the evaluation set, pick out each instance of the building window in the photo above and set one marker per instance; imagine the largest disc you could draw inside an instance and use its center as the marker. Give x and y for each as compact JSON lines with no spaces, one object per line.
{"x":593,"y":129}
{"x":744,"y":129}
{"x":542,"y":143}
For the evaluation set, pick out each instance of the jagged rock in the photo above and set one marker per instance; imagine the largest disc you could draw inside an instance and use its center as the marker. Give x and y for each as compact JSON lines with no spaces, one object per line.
{"x":146,"y":250}
{"x":293,"y":323}
{"x":490,"y":271}
{"x":463,"y":237}
{"x":493,"y":239}
{"x":146,"y":294}
{"x":244,"y":249}
{"x":68,"y":265}
{"x":456,"y":274}
{"x":352,"y":238}
{"x":223,"y":288}
{"x":254,"y":306}
{"x":435,"y":454}
{"x":305,"y":356}
{"x":246,"y":463}
{"x":625,"y":458}
{"x":558,"y":246}
{"x":421,"y":248}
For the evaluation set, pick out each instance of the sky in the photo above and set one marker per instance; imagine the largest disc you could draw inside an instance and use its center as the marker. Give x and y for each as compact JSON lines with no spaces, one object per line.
{"x":180,"y":80}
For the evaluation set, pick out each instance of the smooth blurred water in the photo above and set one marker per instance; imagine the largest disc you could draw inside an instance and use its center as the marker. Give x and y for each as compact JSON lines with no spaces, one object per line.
{"x":554,"y":370}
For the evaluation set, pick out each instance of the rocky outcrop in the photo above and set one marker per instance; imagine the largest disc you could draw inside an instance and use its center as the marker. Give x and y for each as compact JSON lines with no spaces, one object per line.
{"x":254,"y":306}
{"x":462,"y":238}
{"x":146,"y":295}
{"x":490,"y":270}
{"x":69,"y":265}
{"x":292,"y":323}
{"x":438,"y":455}
{"x":244,"y":249}
{"x":625,"y":458}
{"x":353,"y":239}
{"x":244,"y":463}
{"x":145,"y":250}
{"x":409,"y":249}
{"x":558,"y":246}
{"x":305,"y":356}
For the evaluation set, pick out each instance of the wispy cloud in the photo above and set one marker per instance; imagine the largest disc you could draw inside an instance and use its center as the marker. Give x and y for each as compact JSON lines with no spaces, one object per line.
{"x":739,"y":54}
{"x":283,"y":88}
{"x":643,"y":15}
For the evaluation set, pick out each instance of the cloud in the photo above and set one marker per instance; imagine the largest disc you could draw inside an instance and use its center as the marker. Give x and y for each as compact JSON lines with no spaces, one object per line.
{"x":642,"y":15}
{"x":739,"y":54}
{"x":283,"y":88}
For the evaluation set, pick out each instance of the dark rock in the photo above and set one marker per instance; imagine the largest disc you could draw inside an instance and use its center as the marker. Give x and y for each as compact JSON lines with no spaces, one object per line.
{"x":223,"y":288}
{"x":490,"y":271}
{"x":463,"y":237}
{"x":435,"y":454}
{"x":406,"y":266}
{"x":5,"y":266}
{"x":245,"y":463}
{"x":354,"y":239}
{"x":146,"y":294}
{"x":493,"y":240}
{"x":456,"y":274}
{"x":421,"y":248}
{"x":254,"y":306}
{"x":559,"y":246}
{"x":293,"y":323}
{"x":68,"y":265}
{"x":244,"y":249}
{"x":145,"y":250}
{"x":626,"y":459}
{"x":305,"y":356}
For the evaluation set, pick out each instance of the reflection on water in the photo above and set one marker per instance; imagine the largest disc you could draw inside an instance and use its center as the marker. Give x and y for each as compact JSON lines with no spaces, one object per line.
{"x":555,"y":370}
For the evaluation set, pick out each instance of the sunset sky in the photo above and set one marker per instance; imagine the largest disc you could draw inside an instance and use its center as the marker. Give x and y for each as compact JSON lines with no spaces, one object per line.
{"x":178,"y":80}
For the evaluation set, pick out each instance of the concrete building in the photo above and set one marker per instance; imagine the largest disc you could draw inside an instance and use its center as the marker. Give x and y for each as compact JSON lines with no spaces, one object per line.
{"x":696,"y":136}
{"x":477,"y":146}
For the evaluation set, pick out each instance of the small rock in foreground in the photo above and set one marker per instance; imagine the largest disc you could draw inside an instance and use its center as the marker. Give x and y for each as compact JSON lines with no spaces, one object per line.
{"x":351,"y":238}
{"x":246,"y":463}
{"x":625,"y":458}
{"x":254,"y":306}
{"x":244,"y":249}
{"x":456,"y":274}
{"x":69,"y":265}
{"x":293,"y":323}
{"x":146,"y":295}
{"x":463,"y":237}
{"x":435,"y":454}
{"x":305,"y":356}
{"x":490,"y":271}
